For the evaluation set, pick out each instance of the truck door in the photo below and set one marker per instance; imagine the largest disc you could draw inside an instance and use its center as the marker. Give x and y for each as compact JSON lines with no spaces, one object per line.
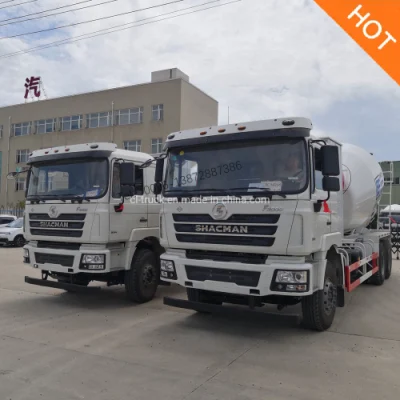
{"x":132,"y":213}
{"x":322,"y":218}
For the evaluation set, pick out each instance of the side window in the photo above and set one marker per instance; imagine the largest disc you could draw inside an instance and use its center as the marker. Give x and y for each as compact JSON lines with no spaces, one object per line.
{"x":116,"y":183}
{"x":139,"y":186}
{"x":317,"y":165}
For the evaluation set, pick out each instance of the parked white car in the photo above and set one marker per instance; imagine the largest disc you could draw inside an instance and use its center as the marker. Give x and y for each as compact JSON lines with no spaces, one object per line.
{"x":6,"y":219}
{"x":13,"y":233}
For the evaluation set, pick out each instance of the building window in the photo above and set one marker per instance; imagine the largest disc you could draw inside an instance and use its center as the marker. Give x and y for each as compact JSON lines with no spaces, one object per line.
{"x":98,"y":120}
{"x":22,"y":156}
{"x":158,"y":112}
{"x":22,"y":129}
{"x":46,"y":125}
{"x":1,"y":131}
{"x":133,"y":145}
{"x":72,"y":123}
{"x":396,"y":181}
{"x":130,"y":116}
{"x":156,"y":145}
{"x":19,"y":183}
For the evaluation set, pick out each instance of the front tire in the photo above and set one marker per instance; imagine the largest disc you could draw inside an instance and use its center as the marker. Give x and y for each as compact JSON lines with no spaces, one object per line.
{"x":319,"y":308}
{"x":141,"y":281}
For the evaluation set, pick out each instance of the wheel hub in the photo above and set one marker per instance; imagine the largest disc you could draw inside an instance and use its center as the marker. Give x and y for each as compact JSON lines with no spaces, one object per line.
{"x":148,"y":275}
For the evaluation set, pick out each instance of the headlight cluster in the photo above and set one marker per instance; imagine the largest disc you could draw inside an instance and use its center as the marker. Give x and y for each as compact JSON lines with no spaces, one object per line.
{"x":290,"y":281}
{"x":93,"y":262}
{"x":26,"y":256}
{"x":168,"y":270}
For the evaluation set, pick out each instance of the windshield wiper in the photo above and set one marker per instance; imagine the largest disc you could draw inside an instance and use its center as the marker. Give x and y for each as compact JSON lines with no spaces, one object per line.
{"x":222,"y":192}
{"x":261,"y":193}
{"x":81,"y":198}
{"x":34,"y":198}
{"x":48,"y":196}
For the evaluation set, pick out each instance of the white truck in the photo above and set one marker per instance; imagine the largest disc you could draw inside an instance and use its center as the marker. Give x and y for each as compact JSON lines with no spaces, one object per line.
{"x":88,"y":217}
{"x":309,"y":241}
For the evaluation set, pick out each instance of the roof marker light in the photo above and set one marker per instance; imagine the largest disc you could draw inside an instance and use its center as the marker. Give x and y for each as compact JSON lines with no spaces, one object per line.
{"x":171,"y":136}
{"x":55,"y":151}
{"x":241,"y":128}
{"x":94,"y":146}
{"x":66,"y":149}
{"x":46,"y":152}
{"x":221,"y":130}
{"x":203,"y":133}
{"x":288,"y":122}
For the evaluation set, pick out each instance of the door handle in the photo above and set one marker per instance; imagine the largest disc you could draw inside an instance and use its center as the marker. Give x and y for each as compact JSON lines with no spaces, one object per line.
{"x":143,"y":219}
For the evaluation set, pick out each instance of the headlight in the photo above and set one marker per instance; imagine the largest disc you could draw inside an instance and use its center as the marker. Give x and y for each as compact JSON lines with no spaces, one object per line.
{"x":167,"y":265}
{"x":291,"y":277}
{"x":26,"y":253}
{"x":168,"y":270}
{"x":93,"y":259}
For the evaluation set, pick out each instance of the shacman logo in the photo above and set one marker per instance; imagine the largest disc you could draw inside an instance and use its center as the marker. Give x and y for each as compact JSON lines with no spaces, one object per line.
{"x":222,"y":228}
{"x":53,"y":224}
{"x":53,"y":212}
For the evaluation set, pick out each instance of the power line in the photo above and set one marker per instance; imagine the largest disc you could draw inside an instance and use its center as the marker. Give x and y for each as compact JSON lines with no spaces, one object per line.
{"x":19,"y":4}
{"x":101,"y":31}
{"x":44,"y":11}
{"x":91,"y":20}
{"x":51,"y":15}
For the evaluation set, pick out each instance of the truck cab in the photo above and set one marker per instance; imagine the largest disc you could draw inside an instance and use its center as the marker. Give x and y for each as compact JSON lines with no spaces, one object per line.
{"x":89,"y":216}
{"x":250,"y":212}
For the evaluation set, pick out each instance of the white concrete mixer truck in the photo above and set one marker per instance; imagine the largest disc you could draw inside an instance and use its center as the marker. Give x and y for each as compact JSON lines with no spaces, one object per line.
{"x":265,"y":213}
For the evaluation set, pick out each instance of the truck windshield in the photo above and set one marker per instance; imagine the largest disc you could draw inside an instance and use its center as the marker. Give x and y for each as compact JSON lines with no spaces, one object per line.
{"x":241,"y":168}
{"x":68,"y":179}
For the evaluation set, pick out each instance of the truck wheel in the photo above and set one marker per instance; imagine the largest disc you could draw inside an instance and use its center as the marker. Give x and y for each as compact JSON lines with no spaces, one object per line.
{"x":319,"y":308}
{"x":19,"y":241}
{"x":141,"y":281}
{"x":379,"y":277}
{"x":388,"y":248}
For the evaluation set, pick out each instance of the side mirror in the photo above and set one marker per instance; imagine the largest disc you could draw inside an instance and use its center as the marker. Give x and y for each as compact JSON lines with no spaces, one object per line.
{"x":127,"y":174}
{"x":330,"y":184}
{"x":330,"y":161}
{"x":127,"y":191}
{"x":157,"y":188}
{"x":158,"y":176}
{"x":11,"y":175}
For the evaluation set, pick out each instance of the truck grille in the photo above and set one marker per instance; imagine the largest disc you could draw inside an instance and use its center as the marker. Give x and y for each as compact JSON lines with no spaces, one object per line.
{"x":65,"y":261}
{"x":241,"y":278}
{"x":227,"y":256}
{"x":58,"y":245}
{"x":65,"y":225}
{"x":238,"y":229}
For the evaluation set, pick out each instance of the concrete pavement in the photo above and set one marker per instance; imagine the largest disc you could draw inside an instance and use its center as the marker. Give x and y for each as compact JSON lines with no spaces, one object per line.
{"x":61,"y":346}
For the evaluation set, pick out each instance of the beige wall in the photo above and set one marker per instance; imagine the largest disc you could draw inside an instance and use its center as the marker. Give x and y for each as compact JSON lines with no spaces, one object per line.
{"x":185,"y":107}
{"x":198,"y":109}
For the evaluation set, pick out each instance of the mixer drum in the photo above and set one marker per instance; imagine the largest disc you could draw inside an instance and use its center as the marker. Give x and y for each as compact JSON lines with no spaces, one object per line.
{"x":362,"y":186}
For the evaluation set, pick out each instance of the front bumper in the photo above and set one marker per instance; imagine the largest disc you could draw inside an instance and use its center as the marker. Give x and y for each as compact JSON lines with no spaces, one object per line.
{"x":5,"y":239}
{"x":62,"y":260}
{"x":235,"y":277}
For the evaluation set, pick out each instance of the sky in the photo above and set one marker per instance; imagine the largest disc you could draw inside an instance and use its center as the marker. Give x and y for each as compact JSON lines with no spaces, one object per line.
{"x":261,"y":58}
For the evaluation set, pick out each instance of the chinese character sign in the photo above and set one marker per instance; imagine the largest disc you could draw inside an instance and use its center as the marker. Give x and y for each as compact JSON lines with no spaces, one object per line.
{"x":32,"y":84}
